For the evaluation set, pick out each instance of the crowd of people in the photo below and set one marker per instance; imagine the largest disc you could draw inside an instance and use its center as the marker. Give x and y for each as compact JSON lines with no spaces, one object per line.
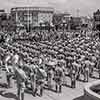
{"x":45,"y":60}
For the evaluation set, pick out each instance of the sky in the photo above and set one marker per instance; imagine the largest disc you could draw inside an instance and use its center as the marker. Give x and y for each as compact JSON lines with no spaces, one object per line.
{"x":74,"y":7}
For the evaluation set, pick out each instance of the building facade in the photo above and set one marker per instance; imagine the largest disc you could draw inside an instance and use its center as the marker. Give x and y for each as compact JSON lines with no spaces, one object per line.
{"x":32,"y":16}
{"x":76,"y":23}
{"x":96,"y":20}
{"x":61,"y":19}
{"x":87,"y":23}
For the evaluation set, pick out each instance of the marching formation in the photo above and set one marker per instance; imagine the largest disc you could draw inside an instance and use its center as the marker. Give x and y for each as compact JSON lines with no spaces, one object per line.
{"x":46,"y":63}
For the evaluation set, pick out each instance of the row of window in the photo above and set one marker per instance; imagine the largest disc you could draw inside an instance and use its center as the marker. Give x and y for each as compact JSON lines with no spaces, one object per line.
{"x":97,"y":18}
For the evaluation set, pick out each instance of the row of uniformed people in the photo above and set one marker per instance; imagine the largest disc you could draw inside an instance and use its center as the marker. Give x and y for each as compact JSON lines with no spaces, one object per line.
{"x":58,"y":80}
{"x":39,"y":80}
{"x":24,"y":48}
{"x":58,"y":77}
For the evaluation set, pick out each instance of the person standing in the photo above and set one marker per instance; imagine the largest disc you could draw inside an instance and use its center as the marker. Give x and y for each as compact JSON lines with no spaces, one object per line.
{"x":49,"y":77}
{"x":40,"y":80}
{"x":86,"y":73}
{"x":9,"y":69}
{"x":20,"y":78}
{"x":58,"y":78}
{"x":33,"y":78}
{"x":73,"y":78}
{"x":98,"y":66}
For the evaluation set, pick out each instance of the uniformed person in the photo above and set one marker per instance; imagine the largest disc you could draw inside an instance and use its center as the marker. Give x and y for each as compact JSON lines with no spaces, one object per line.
{"x":33,"y":78}
{"x":1,"y":64}
{"x":21,"y":78}
{"x":73,"y":78}
{"x":98,"y":66}
{"x":58,"y":78}
{"x":64,"y":72}
{"x":86,"y":73}
{"x":91,"y":68}
{"x":40,"y":80}
{"x":9,"y":73}
{"x":49,"y":77}
{"x":9,"y":69}
{"x":79,"y":69}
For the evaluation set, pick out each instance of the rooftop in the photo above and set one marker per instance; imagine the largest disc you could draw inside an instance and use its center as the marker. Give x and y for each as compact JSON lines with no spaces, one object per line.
{"x":33,"y":8}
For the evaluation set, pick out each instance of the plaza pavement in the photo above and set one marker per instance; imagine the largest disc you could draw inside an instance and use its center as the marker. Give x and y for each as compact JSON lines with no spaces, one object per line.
{"x":67,"y":92}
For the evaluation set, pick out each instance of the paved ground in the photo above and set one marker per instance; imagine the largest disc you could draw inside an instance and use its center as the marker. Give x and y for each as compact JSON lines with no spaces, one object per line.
{"x":67,"y":93}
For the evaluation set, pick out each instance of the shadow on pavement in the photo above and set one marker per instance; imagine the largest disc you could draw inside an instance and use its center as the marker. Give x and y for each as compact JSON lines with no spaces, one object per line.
{"x":95,"y":77}
{"x":3,"y":85}
{"x":80,"y":98}
{"x":8,"y":95}
{"x":46,"y":88}
{"x":69,"y":86}
{"x":29,"y":91}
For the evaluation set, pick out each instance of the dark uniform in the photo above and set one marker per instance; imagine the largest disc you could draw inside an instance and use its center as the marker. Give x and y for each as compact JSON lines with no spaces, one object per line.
{"x":21,"y":78}
{"x":98,"y":66}
{"x":9,"y":70}
{"x":73,"y":78}
{"x":33,"y":79}
{"x":79,"y":69}
{"x":58,"y":78}
{"x":91,"y":67}
{"x":9,"y":74}
{"x":86,"y":73}
{"x":49,"y":78}
{"x":40,"y":80}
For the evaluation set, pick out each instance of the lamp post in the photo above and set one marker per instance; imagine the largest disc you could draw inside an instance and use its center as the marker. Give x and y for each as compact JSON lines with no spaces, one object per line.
{"x":40,"y":27}
{"x":69,"y":24}
{"x":63,"y":23}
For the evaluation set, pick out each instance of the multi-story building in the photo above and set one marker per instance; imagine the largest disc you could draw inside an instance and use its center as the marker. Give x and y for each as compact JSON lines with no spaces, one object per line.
{"x":32,"y":16}
{"x":3,"y":19}
{"x":76,"y":23}
{"x":2,"y":11}
{"x":87,"y":23}
{"x":61,"y":19}
{"x":96,"y":20}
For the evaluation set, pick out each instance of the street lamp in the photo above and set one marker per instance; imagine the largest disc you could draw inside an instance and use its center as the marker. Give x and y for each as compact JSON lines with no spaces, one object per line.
{"x":63,"y":23}
{"x":69,"y":23}
{"x":40,"y":27}
{"x":41,"y":23}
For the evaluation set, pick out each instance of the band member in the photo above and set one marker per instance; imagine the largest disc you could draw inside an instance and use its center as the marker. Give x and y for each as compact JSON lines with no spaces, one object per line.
{"x":9,"y":69}
{"x":58,"y":78}
{"x":21,"y":78}
{"x":64,"y":82}
{"x":33,"y":78}
{"x":98,"y":66}
{"x":91,"y":67}
{"x":79,"y":69}
{"x":86,"y":73}
{"x":49,"y":77}
{"x":73,"y":78}
{"x":15,"y":58}
{"x":9,"y":74}
{"x":40,"y":80}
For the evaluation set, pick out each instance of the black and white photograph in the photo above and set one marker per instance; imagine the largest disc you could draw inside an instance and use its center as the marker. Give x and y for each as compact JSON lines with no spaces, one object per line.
{"x":49,"y":49}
